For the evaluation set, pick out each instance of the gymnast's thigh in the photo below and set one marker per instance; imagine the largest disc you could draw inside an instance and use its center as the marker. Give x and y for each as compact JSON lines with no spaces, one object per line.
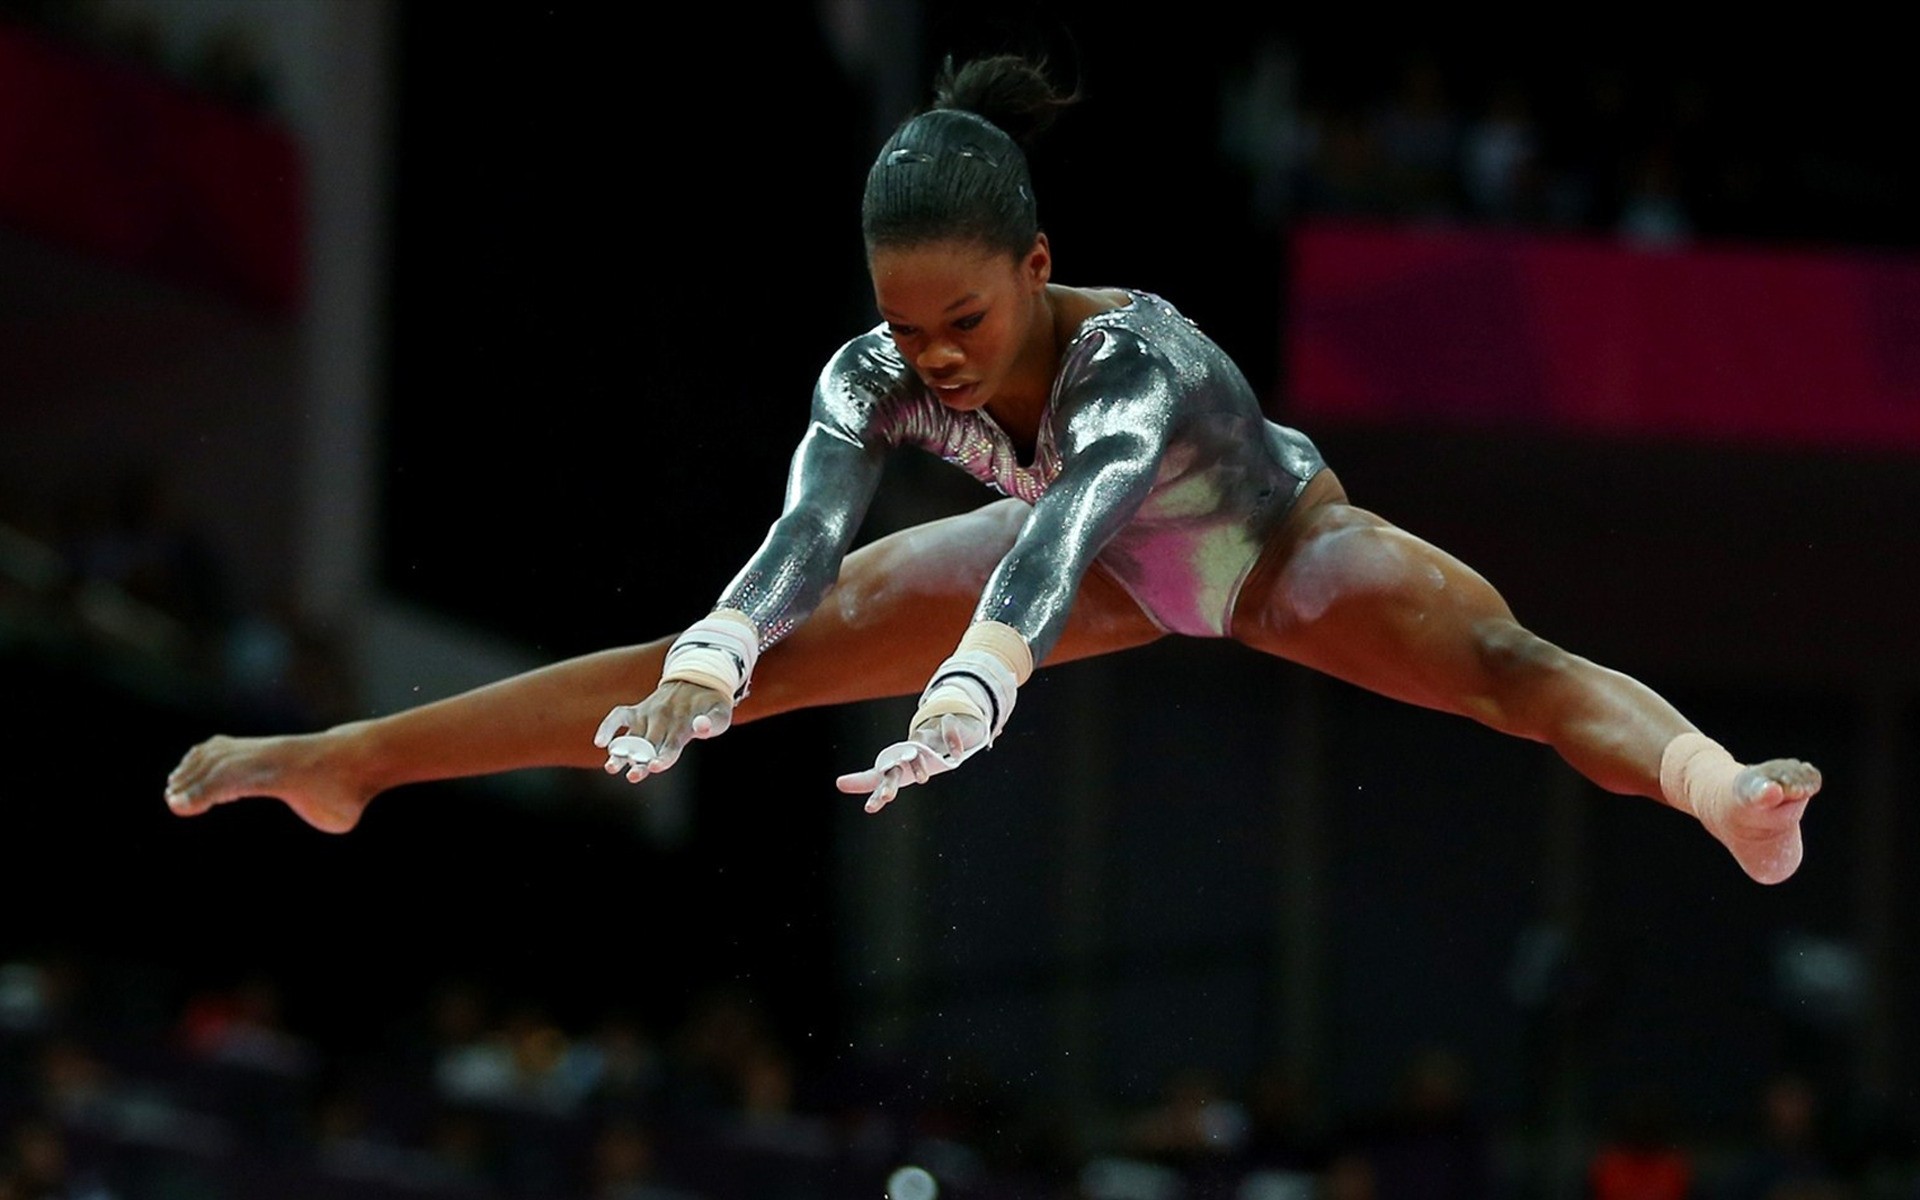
{"x":1354,"y":596}
{"x":901,"y":604}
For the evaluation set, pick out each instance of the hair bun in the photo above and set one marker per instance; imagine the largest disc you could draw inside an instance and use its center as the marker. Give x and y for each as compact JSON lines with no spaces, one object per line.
{"x":1009,"y":90}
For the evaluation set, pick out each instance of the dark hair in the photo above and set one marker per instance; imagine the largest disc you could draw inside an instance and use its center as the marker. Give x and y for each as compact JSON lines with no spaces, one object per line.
{"x":957,"y":170}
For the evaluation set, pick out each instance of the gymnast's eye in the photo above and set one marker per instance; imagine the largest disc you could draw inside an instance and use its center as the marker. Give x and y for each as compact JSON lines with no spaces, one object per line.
{"x":901,"y":331}
{"x":970,"y":321}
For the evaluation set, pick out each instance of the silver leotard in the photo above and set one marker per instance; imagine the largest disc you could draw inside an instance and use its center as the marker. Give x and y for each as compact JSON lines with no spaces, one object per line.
{"x":1153,"y":457}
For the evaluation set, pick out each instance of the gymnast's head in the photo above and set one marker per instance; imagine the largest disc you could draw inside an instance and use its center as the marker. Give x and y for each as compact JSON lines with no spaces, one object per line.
{"x":952,"y":233}
{"x":956,"y":172}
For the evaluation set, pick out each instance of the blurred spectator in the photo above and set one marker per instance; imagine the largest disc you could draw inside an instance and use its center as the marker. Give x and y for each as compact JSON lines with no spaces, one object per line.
{"x":628,"y":1066}
{"x":1790,"y":1154}
{"x":471,"y":1061}
{"x":1263,"y":129}
{"x":69,"y":20}
{"x":1345,"y":177}
{"x":1640,"y":1160}
{"x":80,"y":1091}
{"x":766,"y":1086}
{"x":37,"y":1168}
{"x":283,"y":670}
{"x":142,"y":575}
{"x":1194,"y":1122}
{"x":35,"y":997}
{"x":1499,"y":158}
{"x":1349,"y":1176}
{"x":460,"y":1150}
{"x":1280,"y":1129}
{"x":1418,"y":132}
{"x":625,"y":1165}
{"x":348,"y":1146}
{"x":1128,"y":1179}
{"x":229,"y":66}
{"x":1652,"y":214}
{"x":550,"y":1072}
{"x":1588,"y":148}
{"x":527,"y":1063}
{"x":32,"y":572}
{"x":1430,"y":1145}
{"x":74,"y":1084}
{"x":243,"y":1026}
{"x":727,"y":1060}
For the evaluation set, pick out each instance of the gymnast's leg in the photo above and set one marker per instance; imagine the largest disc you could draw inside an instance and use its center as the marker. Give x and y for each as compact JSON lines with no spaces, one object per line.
{"x":898,"y":609}
{"x":1345,"y":592}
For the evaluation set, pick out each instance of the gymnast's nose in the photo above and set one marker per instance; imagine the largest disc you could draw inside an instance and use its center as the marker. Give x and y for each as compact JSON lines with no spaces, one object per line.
{"x":940,"y":358}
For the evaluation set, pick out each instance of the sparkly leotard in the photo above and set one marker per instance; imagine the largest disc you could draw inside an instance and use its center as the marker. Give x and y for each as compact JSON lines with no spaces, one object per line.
{"x":1153,"y":457}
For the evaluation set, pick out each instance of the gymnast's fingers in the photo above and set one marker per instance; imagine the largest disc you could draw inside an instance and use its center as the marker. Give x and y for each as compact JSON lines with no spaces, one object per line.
{"x":620,"y":718}
{"x":857,"y":782}
{"x":631,"y":754}
{"x":884,"y":794}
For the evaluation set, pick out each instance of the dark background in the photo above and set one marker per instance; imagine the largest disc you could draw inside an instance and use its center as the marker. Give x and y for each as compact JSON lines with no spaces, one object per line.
{"x":619,"y":257}
{"x":611,"y":267}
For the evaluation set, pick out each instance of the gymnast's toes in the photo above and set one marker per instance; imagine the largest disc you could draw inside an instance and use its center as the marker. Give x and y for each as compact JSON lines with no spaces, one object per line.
{"x":1778,"y":783}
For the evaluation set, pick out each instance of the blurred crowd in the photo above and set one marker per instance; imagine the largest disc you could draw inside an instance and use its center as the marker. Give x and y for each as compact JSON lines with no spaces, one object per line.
{"x":118,"y":1082}
{"x":126,"y":583}
{"x":225,"y":63}
{"x":1656,"y":152}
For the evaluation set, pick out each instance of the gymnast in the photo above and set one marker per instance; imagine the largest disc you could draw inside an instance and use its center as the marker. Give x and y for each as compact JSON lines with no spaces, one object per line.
{"x":1145,"y":494}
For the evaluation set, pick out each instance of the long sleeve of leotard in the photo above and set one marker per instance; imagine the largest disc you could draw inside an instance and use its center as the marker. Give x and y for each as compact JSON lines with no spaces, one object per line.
{"x":1115,"y":411}
{"x":830,"y":482}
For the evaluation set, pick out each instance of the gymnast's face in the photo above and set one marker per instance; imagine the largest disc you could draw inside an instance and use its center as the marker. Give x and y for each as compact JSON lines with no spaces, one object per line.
{"x":962,"y":313}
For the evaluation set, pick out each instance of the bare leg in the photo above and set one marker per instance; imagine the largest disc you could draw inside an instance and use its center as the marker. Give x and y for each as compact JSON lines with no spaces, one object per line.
{"x":1347,"y":593}
{"x":898,"y":609}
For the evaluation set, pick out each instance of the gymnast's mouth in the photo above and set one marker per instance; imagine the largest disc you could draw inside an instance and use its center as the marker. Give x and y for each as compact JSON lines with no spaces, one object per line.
{"x":950,"y":392}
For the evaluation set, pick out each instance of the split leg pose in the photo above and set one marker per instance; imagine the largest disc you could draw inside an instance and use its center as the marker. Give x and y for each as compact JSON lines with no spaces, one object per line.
{"x":1339,"y":590}
{"x":1346,"y":593}
{"x":898,"y":607}
{"x":1150,"y":494}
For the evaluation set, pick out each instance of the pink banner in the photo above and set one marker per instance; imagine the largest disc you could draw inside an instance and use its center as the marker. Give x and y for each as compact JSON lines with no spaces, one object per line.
{"x":140,"y":172}
{"x":1559,"y":334}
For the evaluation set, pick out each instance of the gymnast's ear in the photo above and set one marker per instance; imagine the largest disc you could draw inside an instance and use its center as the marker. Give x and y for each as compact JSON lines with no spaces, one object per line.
{"x":1036,"y":265}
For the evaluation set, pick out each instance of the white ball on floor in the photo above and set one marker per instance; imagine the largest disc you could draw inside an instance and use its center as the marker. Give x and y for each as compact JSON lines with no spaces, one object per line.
{"x":911,"y":1183}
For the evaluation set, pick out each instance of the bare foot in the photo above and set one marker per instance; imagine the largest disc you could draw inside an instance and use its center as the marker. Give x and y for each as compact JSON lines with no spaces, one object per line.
{"x":1760,"y":820}
{"x":305,"y":772}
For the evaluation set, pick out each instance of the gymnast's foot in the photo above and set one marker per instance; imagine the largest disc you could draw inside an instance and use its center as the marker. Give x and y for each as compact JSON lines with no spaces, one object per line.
{"x":304,"y":772}
{"x":1758,"y":818}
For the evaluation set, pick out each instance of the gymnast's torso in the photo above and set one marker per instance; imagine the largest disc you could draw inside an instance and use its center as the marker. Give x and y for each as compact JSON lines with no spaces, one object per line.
{"x":1153,"y":459}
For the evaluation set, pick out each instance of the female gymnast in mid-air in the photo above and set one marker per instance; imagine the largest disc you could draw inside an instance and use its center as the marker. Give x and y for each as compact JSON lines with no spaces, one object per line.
{"x":1146,"y":494}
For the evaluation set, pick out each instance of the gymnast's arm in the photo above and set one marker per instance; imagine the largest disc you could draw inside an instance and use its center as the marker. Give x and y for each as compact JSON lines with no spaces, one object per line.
{"x":1111,"y":456}
{"x":1119,"y":410}
{"x":1098,"y":490}
{"x":708,"y":669}
{"x":544,"y":717}
{"x":831,"y":482}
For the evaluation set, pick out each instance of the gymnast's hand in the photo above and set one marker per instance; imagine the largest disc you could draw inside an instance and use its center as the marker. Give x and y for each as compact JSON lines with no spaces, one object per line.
{"x":937,"y":745}
{"x":706,"y":672}
{"x":660,"y":726}
{"x":963,"y":709}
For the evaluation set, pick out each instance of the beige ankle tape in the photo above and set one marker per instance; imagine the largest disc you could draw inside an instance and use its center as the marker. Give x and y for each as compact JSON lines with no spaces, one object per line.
{"x":1695,"y":771}
{"x":1004,"y":643}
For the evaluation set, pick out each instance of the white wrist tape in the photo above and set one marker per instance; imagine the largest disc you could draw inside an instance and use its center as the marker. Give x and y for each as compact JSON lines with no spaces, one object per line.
{"x":981,"y":680}
{"x":718,"y":652}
